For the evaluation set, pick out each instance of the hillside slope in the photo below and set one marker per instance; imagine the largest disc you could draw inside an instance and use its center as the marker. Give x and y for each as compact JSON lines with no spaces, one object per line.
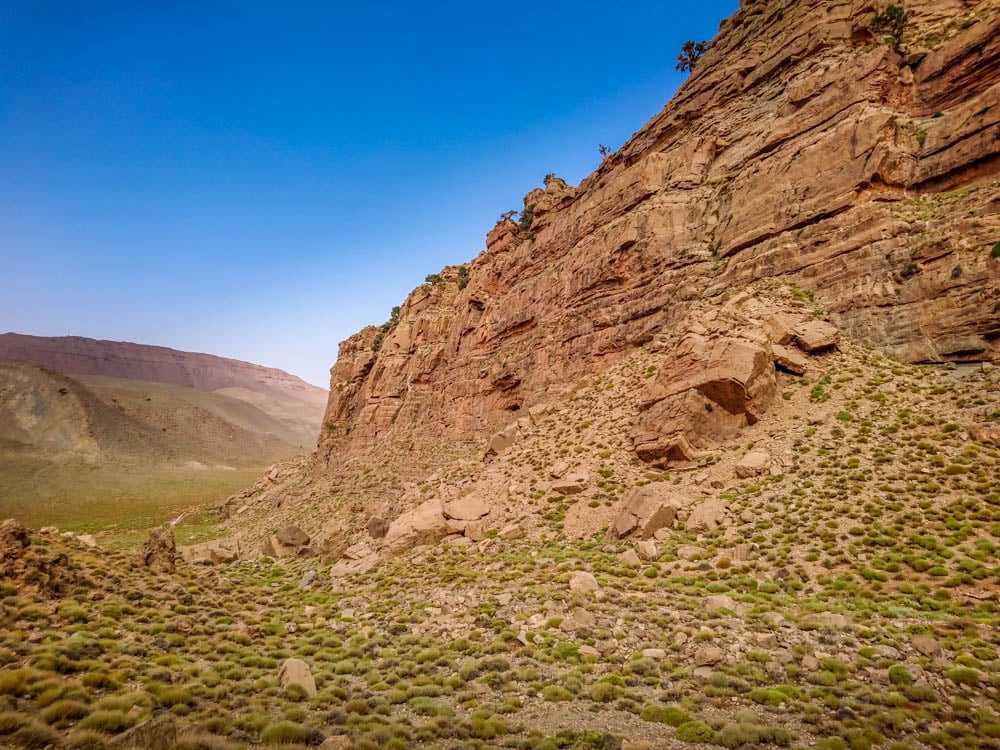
{"x":295,"y":407}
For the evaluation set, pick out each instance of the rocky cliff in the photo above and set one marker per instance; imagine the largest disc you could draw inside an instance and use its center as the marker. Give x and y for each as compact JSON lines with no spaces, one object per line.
{"x":808,"y":147}
{"x":295,"y":406}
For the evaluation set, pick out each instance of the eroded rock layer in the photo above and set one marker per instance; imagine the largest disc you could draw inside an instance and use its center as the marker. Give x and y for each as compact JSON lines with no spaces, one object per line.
{"x":804,"y":148}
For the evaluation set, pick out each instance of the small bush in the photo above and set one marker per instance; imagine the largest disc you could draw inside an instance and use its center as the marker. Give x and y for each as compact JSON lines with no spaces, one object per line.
{"x":671,"y":715}
{"x":109,"y":722}
{"x":963,"y":675}
{"x":556,"y":693}
{"x":64,"y":710}
{"x":995,"y":252}
{"x":35,"y":735}
{"x":288,"y":733}
{"x":695,"y":731}
{"x":899,"y":676}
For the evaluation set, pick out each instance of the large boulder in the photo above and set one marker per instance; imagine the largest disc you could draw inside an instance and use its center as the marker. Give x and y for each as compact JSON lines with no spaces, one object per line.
{"x":753,"y":464}
{"x":708,"y":515}
{"x":789,"y":360}
{"x":291,"y":541}
{"x":469,"y":507}
{"x":571,"y":484}
{"x":501,"y":441}
{"x":816,"y":336}
{"x":708,"y":388}
{"x":425,"y":524}
{"x":297,"y":672}
{"x":644,"y":510}
{"x":215,"y":552}
{"x":159,"y":552}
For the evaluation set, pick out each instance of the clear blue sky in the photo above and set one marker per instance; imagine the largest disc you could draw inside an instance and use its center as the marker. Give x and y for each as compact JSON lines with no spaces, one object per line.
{"x":260,"y":180}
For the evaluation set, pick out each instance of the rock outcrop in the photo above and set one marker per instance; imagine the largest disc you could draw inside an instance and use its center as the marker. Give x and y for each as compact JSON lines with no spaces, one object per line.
{"x":803,"y":149}
{"x":159,"y":551}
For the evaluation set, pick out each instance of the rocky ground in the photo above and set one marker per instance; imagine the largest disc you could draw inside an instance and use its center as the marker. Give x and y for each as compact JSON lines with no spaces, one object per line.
{"x":826,"y":579}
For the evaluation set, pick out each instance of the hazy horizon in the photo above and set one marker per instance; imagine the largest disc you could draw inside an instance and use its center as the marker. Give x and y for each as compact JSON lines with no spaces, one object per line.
{"x":259,"y":185}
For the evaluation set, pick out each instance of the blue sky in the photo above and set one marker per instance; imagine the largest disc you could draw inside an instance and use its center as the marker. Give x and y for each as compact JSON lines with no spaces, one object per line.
{"x":260,"y":180}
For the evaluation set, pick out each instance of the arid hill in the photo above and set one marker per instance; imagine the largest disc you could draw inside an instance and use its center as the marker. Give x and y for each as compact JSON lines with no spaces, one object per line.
{"x":294,"y":407}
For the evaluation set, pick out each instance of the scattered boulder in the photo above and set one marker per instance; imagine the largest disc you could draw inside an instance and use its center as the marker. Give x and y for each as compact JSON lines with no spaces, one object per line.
{"x":501,"y":441}
{"x":425,"y":524}
{"x":215,"y":552}
{"x":708,"y":515}
{"x":789,"y":360}
{"x":716,"y":602}
{"x":539,"y":412}
{"x":378,"y":527}
{"x":581,"y":580}
{"x":832,"y":620}
{"x":647,"y":550}
{"x":753,"y":464}
{"x":706,"y":656}
{"x":337,"y":742}
{"x":657,"y":654}
{"x":630,"y":557}
{"x":297,"y":672}
{"x":559,"y":468}
{"x":983,"y":434}
{"x":290,"y":541}
{"x":469,"y":507}
{"x":475,"y":530}
{"x":511,"y":531}
{"x":645,"y":510}
{"x":358,"y":551}
{"x":816,"y":336}
{"x":159,"y":552}
{"x":572,"y":483}
{"x":926,"y":645}
{"x":780,"y":329}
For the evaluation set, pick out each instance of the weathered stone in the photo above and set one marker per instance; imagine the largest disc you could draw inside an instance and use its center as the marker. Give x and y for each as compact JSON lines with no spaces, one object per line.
{"x":708,"y":515}
{"x":297,"y":672}
{"x":475,"y":530}
{"x":358,"y":550}
{"x":215,"y":552}
{"x":378,"y":527}
{"x":789,"y":360}
{"x":647,"y":550}
{"x":706,"y":391}
{"x":630,"y":557}
{"x":581,"y":580}
{"x":572,"y":483}
{"x":707,"y":656}
{"x":832,"y":620}
{"x":159,"y":552}
{"x":657,"y":654}
{"x":644,"y":510}
{"x":753,"y":464}
{"x":336,"y":742}
{"x":501,"y":441}
{"x":924,"y":644}
{"x":470,"y":507}
{"x":780,"y":329}
{"x":425,"y":524}
{"x":717,"y":602}
{"x":816,"y":336}
{"x":982,"y":434}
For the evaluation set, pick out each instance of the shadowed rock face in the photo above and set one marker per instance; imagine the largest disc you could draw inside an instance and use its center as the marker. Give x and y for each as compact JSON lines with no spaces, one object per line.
{"x":802,"y":149}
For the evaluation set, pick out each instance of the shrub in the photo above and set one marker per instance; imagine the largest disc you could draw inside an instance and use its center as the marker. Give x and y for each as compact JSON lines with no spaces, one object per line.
{"x":463,"y":277}
{"x":695,"y":731}
{"x":899,"y":676}
{"x":33,"y":735}
{"x":890,"y":24}
{"x":432,"y":278}
{"x":64,"y":710}
{"x":671,"y":715}
{"x":288,"y":732}
{"x":963,"y":675}
{"x":995,"y":252}
{"x":109,"y":722}
{"x":556,"y":693}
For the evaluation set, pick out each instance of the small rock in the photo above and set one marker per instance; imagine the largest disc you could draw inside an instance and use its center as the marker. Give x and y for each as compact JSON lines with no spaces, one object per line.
{"x":753,"y":464}
{"x":647,"y":550}
{"x":630,"y":558}
{"x":926,"y":645}
{"x":657,"y":654}
{"x":708,"y":655}
{"x":581,"y":580}
{"x":571,"y":484}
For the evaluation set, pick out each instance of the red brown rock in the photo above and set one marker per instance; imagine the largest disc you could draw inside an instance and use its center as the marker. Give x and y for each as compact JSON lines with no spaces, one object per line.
{"x":802,"y":150}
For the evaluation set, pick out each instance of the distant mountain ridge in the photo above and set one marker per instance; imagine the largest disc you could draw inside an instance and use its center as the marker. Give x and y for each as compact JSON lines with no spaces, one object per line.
{"x":290,"y":401}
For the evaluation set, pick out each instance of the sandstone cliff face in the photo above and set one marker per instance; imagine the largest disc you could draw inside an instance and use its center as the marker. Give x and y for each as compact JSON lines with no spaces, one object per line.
{"x":803,"y":149}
